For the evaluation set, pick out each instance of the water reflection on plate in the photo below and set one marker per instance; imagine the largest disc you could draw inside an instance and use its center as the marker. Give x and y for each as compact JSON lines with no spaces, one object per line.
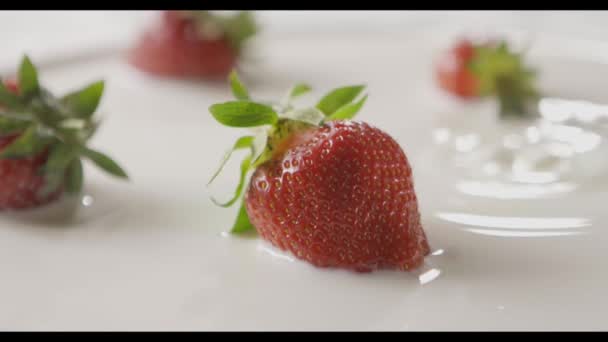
{"x":553,"y":154}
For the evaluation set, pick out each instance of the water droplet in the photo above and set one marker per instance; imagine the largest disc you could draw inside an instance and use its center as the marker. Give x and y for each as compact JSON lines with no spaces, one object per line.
{"x":429,"y":276}
{"x":87,"y":200}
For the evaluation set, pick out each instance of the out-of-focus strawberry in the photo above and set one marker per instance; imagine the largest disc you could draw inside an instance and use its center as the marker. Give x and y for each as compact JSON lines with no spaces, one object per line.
{"x":193,"y":44}
{"x":42,"y":140}
{"x":473,"y":70}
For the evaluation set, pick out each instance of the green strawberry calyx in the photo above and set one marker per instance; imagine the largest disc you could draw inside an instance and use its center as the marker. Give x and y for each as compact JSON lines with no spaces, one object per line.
{"x":502,"y":72}
{"x":60,"y":125}
{"x":236,"y":28}
{"x":272,"y":123}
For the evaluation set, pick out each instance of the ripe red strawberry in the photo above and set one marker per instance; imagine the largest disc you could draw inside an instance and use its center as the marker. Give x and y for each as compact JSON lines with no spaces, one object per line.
{"x":21,"y":180}
{"x":42,"y":139}
{"x":332,"y":191}
{"x":193,"y":44}
{"x":453,"y":73}
{"x":473,"y":70}
{"x":11,"y":85}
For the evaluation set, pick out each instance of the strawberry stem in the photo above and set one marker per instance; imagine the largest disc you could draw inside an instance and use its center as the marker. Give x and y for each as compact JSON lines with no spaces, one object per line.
{"x":502,"y":73}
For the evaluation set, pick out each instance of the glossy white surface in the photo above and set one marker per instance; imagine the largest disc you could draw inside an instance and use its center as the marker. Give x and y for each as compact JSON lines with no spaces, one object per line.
{"x":152,"y":254}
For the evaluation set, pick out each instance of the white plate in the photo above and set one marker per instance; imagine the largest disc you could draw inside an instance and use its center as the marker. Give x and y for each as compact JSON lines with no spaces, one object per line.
{"x":152,"y":254}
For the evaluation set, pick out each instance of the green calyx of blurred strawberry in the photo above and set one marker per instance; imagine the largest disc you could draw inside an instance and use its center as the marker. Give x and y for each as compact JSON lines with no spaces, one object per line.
{"x":272,"y":123}
{"x":236,"y":28}
{"x":60,"y":125}
{"x":502,"y":73}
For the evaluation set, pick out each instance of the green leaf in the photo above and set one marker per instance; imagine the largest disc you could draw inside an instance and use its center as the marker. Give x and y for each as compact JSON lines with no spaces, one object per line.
{"x":243,"y":114}
{"x":74,"y":177}
{"x":236,"y":28}
{"x":491,"y":63}
{"x":75,"y":131}
{"x":45,"y":108}
{"x":74,"y":124}
{"x":502,"y":74}
{"x":242,"y":223}
{"x":503,"y":47}
{"x":9,"y":125}
{"x":17,"y":115}
{"x":299,"y":90}
{"x":60,"y":157}
{"x":312,"y":115}
{"x":238,"y":88}
{"x":84,"y":102}
{"x":338,"y":98}
{"x":27,"y":144}
{"x":239,"y":28}
{"x":104,"y":162}
{"x":515,"y":98}
{"x":52,"y":182}
{"x":28,"y":77}
{"x":245,"y":166}
{"x":295,"y":91}
{"x":348,"y":111}
{"x":241,"y":143}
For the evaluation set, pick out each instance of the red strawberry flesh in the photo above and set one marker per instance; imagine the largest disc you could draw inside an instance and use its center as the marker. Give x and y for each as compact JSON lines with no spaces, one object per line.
{"x":340,"y":195}
{"x":452,"y":71}
{"x":174,"y":48}
{"x":21,"y":181}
